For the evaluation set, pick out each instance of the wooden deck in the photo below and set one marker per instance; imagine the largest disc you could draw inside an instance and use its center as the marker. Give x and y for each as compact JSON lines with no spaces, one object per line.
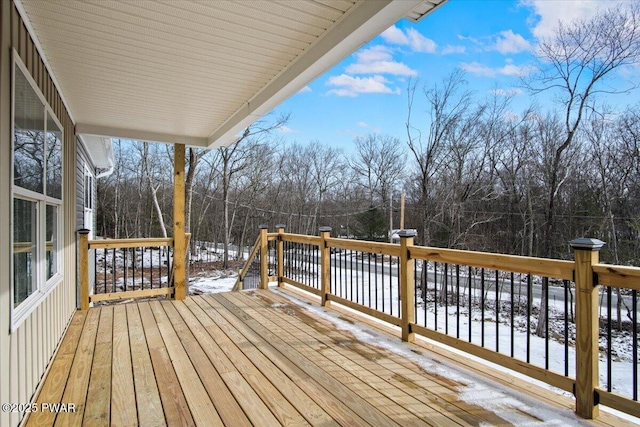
{"x":248,"y":358}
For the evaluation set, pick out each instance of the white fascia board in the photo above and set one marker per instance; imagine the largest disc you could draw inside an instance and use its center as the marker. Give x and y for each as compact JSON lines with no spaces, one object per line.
{"x":99,"y":149}
{"x":139,"y":135}
{"x":361,"y":23}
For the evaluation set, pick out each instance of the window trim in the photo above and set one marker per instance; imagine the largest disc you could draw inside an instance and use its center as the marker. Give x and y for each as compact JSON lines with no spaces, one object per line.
{"x":43,"y":287}
{"x":88,"y":173}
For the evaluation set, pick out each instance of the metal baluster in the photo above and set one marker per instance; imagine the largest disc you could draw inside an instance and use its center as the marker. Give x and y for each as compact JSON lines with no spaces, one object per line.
{"x":482,"y":307}
{"x":457,"y":301}
{"x":435,"y":293}
{"x":566,"y":328}
{"x":446,"y":298}
{"x":512,"y":326}
{"x":609,"y":338}
{"x":470,"y":304}
{"x":497,"y":313}
{"x":529,"y":293}
{"x":545,"y":284}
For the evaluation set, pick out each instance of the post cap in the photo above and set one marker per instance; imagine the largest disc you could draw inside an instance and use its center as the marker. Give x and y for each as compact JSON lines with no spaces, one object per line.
{"x":84,"y":231}
{"x":263,"y":226}
{"x":324,"y":229}
{"x":407,"y":233}
{"x":586,"y":244}
{"x":281,"y":225}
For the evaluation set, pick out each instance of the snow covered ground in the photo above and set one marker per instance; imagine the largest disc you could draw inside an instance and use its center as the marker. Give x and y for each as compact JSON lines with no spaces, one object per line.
{"x":217,"y":282}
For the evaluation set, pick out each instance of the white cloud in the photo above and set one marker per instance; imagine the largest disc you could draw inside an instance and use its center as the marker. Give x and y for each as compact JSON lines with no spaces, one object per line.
{"x":507,"y":92}
{"x":548,"y":13}
{"x":352,"y":86}
{"x":287,"y":129}
{"x":505,"y":42}
{"x":375,"y":53}
{"x":363,"y":124}
{"x":305,"y":89}
{"x":379,"y":60}
{"x":420,"y":43}
{"x":395,"y":35}
{"x":381,"y":67}
{"x":411,"y":37}
{"x":508,"y":69}
{"x":509,"y":42}
{"x":449,"y":49}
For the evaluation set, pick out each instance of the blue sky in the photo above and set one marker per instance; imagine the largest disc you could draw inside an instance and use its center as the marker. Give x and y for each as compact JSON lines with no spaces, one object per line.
{"x":492,"y":40}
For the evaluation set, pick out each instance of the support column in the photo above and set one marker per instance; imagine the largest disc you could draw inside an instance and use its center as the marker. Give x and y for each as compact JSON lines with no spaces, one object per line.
{"x":407,"y":284}
{"x":325,"y":272}
{"x":586,"y":253}
{"x":264,"y":257}
{"x":280,"y":252}
{"x":83,"y":259}
{"x":179,"y":241}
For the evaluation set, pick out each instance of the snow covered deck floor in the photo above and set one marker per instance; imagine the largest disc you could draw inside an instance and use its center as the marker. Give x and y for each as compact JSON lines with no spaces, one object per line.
{"x":257,"y":358}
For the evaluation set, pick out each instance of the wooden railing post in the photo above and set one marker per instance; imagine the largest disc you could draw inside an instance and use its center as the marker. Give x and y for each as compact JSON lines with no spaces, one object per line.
{"x":407,"y":284}
{"x":586,"y":254}
{"x":264,"y":257}
{"x":325,"y":273}
{"x":179,"y":241}
{"x":83,"y":255}
{"x":280,"y":254}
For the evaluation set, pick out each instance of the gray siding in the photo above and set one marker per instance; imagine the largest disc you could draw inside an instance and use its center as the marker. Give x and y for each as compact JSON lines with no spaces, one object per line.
{"x":26,"y":351}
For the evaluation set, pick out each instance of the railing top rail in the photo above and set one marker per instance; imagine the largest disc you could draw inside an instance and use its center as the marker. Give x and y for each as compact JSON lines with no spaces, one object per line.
{"x":130,"y":243}
{"x":365,"y":246}
{"x":618,"y":276}
{"x":519,"y":264}
{"x":301,"y":238}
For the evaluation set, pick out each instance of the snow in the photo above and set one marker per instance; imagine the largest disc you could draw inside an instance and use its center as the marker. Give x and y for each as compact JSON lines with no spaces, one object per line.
{"x":217,"y":282}
{"x":475,"y":390}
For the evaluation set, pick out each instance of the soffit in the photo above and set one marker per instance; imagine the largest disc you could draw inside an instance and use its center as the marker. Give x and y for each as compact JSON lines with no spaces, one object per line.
{"x":194,"y":72}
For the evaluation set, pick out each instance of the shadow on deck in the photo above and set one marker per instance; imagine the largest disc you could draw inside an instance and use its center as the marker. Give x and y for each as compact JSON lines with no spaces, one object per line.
{"x":258,"y":358}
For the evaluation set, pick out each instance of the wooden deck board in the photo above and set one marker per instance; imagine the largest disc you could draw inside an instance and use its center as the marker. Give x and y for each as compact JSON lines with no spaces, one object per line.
{"x":123,"y":392}
{"x":242,"y":359}
{"x":99,"y":393}
{"x":147,"y":397}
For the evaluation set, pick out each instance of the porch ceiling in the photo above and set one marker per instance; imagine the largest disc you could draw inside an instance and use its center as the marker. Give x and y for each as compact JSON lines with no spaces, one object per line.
{"x":195,"y":72}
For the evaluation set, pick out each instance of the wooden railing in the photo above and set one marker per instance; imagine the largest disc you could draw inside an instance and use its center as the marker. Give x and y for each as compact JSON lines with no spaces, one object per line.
{"x":126,"y":268}
{"x":326,"y":267}
{"x":254,"y":273}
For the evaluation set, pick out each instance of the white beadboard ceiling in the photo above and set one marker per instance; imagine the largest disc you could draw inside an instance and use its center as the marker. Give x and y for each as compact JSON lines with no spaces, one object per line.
{"x":195,"y":72}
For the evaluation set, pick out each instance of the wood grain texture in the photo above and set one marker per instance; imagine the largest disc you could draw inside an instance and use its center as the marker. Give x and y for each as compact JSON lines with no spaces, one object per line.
{"x":528,"y":265}
{"x":123,"y":393}
{"x":179,"y":248}
{"x":587,"y":334}
{"x":257,"y":358}
{"x":147,"y":396}
{"x":98,"y":411}
{"x":129,"y":243}
{"x":618,"y":276}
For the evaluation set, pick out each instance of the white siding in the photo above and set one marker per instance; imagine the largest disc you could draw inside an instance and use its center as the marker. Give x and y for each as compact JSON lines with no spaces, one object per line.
{"x":25,"y":353}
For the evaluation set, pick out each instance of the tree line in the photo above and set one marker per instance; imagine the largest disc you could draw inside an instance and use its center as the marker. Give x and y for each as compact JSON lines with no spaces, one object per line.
{"x":477,"y":175}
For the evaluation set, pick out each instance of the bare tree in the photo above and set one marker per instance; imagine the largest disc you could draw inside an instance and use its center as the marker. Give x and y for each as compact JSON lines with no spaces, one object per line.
{"x":448,"y":102}
{"x":236,"y":158}
{"x":573,"y":65}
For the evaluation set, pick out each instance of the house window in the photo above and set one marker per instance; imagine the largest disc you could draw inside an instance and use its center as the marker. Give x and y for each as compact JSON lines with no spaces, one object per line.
{"x":88,"y":200}
{"x":36,"y":194}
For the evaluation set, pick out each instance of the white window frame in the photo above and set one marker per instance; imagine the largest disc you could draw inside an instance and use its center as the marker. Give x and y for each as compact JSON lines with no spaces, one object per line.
{"x":88,"y":173}
{"x":43,"y":286}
